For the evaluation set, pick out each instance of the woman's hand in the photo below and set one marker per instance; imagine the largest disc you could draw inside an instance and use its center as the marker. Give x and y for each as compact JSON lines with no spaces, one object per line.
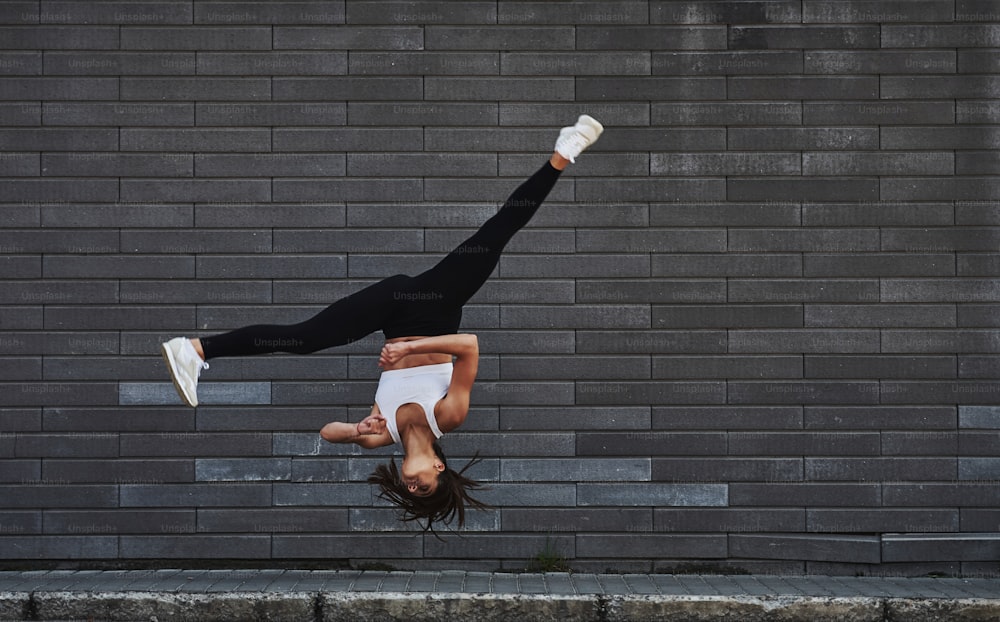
{"x":372,"y":424}
{"x":392,"y":353}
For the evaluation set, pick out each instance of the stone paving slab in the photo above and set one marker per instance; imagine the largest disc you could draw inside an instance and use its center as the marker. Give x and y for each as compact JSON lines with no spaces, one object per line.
{"x":323,"y":595}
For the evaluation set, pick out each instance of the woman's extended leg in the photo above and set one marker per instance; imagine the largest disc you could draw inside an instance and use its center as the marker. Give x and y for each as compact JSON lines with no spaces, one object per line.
{"x":463,"y":271}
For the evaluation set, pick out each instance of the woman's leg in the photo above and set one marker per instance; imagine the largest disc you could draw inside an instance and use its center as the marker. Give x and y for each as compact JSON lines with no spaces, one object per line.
{"x":346,"y":320}
{"x":462,"y":272}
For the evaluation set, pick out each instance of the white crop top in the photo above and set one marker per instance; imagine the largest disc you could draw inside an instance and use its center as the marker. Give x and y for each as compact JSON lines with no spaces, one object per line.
{"x":424,"y":385}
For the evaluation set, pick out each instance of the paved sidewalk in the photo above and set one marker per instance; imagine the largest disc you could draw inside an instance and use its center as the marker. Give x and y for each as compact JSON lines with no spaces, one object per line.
{"x":314,"y":595}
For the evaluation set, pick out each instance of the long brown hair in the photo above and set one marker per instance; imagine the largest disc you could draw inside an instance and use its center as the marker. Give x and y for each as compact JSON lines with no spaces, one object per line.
{"x":444,"y":504}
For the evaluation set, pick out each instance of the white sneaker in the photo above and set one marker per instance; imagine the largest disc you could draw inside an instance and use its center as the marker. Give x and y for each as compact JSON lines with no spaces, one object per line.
{"x":575,"y":138}
{"x":185,"y":366}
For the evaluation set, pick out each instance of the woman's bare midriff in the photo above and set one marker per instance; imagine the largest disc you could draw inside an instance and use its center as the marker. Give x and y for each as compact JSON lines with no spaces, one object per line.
{"x":416,"y":360}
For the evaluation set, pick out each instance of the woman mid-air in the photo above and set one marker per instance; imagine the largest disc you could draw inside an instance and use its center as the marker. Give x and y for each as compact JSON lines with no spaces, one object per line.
{"x":428,"y":366}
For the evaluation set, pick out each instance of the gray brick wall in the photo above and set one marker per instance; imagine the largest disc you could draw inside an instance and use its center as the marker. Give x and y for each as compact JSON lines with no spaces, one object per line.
{"x":757,"y":327}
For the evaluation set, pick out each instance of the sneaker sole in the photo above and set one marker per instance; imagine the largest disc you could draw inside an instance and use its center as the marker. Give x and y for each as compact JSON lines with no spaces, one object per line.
{"x":168,"y":358}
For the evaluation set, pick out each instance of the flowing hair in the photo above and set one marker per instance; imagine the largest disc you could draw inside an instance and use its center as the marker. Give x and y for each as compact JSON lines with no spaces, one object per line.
{"x":444,"y":504}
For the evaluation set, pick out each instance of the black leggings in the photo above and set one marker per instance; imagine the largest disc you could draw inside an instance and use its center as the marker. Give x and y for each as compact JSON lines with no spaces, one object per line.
{"x":425,"y":305}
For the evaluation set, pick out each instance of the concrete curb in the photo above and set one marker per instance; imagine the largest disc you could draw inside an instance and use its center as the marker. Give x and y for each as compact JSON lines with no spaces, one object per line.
{"x":458,"y":607}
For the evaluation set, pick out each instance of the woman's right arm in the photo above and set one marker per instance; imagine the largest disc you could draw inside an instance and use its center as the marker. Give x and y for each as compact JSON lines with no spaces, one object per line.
{"x":369,"y":433}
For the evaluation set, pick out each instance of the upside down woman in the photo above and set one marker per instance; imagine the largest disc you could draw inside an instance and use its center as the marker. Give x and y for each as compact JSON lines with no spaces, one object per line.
{"x":428,"y":366}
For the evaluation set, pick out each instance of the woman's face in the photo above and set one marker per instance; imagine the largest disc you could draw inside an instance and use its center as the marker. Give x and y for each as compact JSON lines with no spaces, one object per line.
{"x":420,"y":475}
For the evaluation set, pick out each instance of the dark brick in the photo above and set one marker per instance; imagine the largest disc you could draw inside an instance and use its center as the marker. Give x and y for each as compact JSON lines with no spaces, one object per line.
{"x":39,"y":495}
{"x":574,"y":63}
{"x":728,"y":113}
{"x":119,"y":521}
{"x":802,"y":290}
{"x":879,"y":213}
{"x":192,"y":546}
{"x":804,"y":88}
{"x":976,"y":163}
{"x":879,"y":366}
{"x":650,"y":240}
{"x":885,"y":61}
{"x":271,"y":520}
{"x":726,"y":418}
{"x":625,"y":12}
{"x":935,"y":547}
{"x":803,"y":392}
{"x":498,"y":89}
{"x":885,"y":264}
{"x":977,"y":112}
{"x":919,"y":443}
{"x":196,"y":444}
{"x":859,"y":163}
{"x":47,"y":37}
{"x":939,"y":87}
{"x":880,"y":469}
{"x":577,"y":519}
{"x":119,"y":471}
{"x":939,"y":35}
{"x":228,"y":13}
{"x":369,"y":12}
{"x":862,"y":11}
{"x":424,"y":63}
{"x":804,"y":443}
{"x":694,"y":469}
{"x":977,"y":315}
{"x":726,"y":63}
{"x":58,"y":394}
{"x":285,"y":165}
{"x":803,"y":37}
{"x":728,"y":520}
{"x":931,"y":340}
{"x":650,"y":342}
{"x":86,"y":547}
{"x":895,"y":316}
{"x":726,"y":367}
{"x":725,"y":12}
{"x":649,"y":88}
{"x":725,"y":164}
{"x":274,"y":114}
{"x":827,"y":547}
{"x":880,"y":521}
{"x":978,"y":366}
{"x":188,"y":495}
{"x":803,"y":340}
{"x":979,"y":520}
{"x":578,"y":265}
{"x":21,"y":523}
{"x":647,"y":443}
{"x":574,"y":469}
{"x":652,"y":494}
{"x":579,"y":367}
{"x":806,"y":494}
{"x":20,"y":471}
{"x":629,"y":546}
{"x":20,"y":420}
{"x":966,"y":494}
{"x":489,"y":546}
{"x":878,"y":113}
{"x":726,"y":265}
{"x":583,"y":418}
{"x":804,"y":189}
{"x":349,"y":139}
{"x":508,"y":38}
